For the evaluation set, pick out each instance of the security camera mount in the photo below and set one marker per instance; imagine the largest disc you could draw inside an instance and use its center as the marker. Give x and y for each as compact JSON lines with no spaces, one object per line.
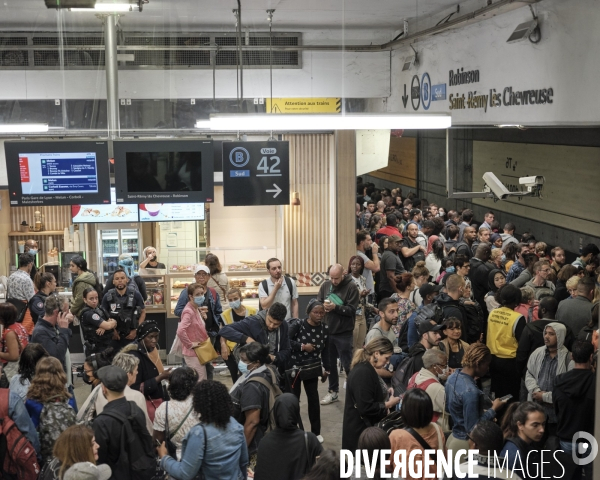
{"x":493,"y":187}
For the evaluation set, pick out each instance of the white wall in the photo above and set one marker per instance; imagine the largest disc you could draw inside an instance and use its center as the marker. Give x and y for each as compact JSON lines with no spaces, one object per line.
{"x":566,"y":59}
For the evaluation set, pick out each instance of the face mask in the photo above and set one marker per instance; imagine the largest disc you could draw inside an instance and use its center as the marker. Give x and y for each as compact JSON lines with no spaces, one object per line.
{"x":86,"y":379}
{"x":199,"y":300}
{"x":242,"y":367}
{"x":450,"y":269}
{"x":33,"y":251}
{"x":503,"y":258}
{"x":235,"y":305}
{"x":444,"y":375}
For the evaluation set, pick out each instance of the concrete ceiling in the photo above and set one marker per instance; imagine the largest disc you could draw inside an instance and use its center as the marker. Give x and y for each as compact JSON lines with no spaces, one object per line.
{"x":205,"y":15}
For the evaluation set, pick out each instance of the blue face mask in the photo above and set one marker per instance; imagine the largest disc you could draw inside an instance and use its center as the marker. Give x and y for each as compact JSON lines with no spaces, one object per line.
{"x":199,"y":300}
{"x":450,"y":269}
{"x":33,"y":251}
{"x":235,"y":305}
{"x":242,"y":367}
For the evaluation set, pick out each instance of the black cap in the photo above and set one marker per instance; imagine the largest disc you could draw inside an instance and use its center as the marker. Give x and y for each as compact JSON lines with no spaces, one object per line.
{"x":427,"y":326}
{"x":113,"y":378}
{"x":428,"y":288}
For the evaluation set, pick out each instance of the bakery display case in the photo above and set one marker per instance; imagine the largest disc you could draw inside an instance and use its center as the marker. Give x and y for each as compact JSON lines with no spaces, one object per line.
{"x":245,"y":269}
{"x":155,"y":288}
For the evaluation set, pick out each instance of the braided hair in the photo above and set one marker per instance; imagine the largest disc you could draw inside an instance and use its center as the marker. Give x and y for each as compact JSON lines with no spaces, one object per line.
{"x":475,"y":355}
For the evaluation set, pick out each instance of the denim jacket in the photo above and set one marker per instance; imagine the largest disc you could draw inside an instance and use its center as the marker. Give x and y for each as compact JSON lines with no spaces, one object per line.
{"x":223,"y":457}
{"x":464,"y":402}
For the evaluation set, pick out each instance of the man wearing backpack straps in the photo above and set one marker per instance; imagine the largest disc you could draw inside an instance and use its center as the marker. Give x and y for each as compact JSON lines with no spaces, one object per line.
{"x":120,"y":431}
{"x":278,"y":288}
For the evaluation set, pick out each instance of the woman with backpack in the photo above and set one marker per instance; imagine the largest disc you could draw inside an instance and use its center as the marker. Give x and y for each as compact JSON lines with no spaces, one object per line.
{"x":216,"y":447}
{"x":419,"y":433}
{"x":175,"y":417}
{"x":13,"y":339}
{"x":49,"y":403}
{"x":76,"y":444}
{"x":309,"y":339}
{"x":45,"y":283}
{"x":405,"y":283}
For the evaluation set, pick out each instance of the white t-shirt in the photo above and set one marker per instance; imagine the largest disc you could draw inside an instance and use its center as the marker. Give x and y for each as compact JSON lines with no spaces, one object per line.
{"x":283,"y":295}
{"x":177,"y":412}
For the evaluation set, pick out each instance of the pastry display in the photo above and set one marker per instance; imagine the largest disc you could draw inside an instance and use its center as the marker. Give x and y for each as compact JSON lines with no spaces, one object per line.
{"x":182,"y":268}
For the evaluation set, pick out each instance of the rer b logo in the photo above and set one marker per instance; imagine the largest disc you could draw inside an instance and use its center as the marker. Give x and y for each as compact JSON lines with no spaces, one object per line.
{"x":239,"y":157}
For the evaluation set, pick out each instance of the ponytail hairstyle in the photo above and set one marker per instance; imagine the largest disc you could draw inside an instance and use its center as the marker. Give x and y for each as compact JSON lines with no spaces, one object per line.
{"x":420,"y":270}
{"x":41,"y":279}
{"x":378,"y":345}
{"x":518,"y":413}
{"x":403,"y":281}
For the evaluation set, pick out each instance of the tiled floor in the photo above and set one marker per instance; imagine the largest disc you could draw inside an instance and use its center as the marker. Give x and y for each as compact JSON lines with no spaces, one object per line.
{"x":331,"y":415}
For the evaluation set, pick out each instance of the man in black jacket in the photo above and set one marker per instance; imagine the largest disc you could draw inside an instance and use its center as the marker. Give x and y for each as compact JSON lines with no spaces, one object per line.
{"x":339,"y":296}
{"x":111,"y":428}
{"x":267,"y":327}
{"x":52,"y":330}
{"x":573,"y":397}
{"x":449,"y":300}
{"x":479,"y":272}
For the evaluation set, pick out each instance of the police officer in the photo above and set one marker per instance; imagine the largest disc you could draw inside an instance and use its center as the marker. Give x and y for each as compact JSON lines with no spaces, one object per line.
{"x":96,"y":325}
{"x":45,"y":284}
{"x":126,"y":304}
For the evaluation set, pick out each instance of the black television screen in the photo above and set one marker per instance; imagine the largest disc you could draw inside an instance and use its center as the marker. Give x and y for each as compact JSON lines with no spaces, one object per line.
{"x":58,"y":172}
{"x":164,"y":171}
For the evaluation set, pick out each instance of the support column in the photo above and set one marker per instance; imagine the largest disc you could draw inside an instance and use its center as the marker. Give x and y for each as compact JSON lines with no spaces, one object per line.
{"x":112,"y":75}
{"x":345,"y":195}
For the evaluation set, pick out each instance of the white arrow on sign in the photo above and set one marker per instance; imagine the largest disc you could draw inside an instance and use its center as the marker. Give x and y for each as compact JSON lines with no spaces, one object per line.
{"x":277,"y":191}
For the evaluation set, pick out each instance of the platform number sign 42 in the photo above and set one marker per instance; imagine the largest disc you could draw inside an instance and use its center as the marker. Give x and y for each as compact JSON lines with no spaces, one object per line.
{"x":256,"y":173}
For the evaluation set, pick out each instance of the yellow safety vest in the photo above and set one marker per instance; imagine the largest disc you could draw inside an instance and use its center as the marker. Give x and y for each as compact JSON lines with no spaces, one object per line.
{"x":500,"y":334}
{"x":227,"y":317}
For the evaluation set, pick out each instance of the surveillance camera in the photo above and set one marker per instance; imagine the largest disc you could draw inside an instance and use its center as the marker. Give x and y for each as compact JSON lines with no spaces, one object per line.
{"x":532,"y":183}
{"x":494,"y":184}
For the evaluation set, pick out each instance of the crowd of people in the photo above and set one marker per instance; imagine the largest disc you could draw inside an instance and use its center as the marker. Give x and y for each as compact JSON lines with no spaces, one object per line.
{"x":451,"y":334}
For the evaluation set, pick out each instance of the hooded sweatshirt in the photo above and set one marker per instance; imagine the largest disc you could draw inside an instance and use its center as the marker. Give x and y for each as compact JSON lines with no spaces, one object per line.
{"x":490,"y":301}
{"x":450,"y":306}
{"x":285,"y":452}
{"x":82,"y":282}
{"x":341,"y":319}
{"x":574,"y":402}
{"x":534,"y":365}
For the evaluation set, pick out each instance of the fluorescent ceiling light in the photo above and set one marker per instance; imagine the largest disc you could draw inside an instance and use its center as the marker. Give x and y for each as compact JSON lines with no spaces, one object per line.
{"x":24,"y":128}
{"x":108,"y":7}
{"x":291,"y":122}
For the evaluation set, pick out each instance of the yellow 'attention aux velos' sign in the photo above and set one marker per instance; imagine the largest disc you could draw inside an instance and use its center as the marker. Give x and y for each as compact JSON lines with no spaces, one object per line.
{"x":304,"y":105}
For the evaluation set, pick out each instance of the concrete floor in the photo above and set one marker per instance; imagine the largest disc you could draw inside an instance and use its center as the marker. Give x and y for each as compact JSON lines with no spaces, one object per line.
{"x":331,"y":415}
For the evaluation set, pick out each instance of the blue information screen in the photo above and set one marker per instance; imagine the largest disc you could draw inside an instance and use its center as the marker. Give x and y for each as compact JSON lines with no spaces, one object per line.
{"x":47,"y":173}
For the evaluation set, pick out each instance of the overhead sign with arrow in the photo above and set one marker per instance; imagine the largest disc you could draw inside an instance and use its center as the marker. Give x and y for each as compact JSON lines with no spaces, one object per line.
{"x":256,"y":173}
{"x":405,"y":97}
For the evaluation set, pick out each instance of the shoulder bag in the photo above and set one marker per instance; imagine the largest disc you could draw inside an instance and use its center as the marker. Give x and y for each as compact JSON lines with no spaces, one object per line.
{"x":171,"y":447}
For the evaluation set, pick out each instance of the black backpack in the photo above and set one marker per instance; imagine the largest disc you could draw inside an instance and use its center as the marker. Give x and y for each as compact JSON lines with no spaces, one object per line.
{"x":265,"y":285}
{"x":402,"y":375}
{"x":137,"y":451}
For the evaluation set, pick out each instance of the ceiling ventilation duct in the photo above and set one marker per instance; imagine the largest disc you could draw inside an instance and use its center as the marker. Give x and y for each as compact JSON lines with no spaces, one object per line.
{"x":70,"y":3}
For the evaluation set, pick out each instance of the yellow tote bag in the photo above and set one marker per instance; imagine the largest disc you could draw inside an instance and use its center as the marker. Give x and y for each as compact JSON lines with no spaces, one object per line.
{"x":206,"y":352}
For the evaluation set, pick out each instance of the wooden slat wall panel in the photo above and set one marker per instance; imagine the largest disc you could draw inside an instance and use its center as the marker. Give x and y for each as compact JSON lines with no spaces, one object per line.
{"x":309,"y":230}
{"x":345,"y":195}
{"x":55,"y":218}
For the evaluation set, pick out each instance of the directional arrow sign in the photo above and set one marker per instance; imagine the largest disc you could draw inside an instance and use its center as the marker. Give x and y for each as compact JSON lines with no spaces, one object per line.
{"x":405,"y":97}
{"x":256,"y":173}
{"x":277,"y":191}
